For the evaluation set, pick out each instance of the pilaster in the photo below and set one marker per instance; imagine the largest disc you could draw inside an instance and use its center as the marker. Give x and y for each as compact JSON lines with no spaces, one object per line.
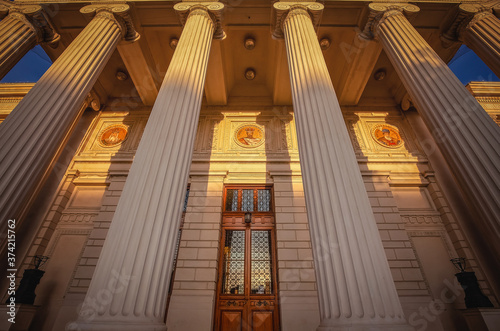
{"x":355,"y":286}
{"x":20,"y":30}
{"x":140,"y":243}
{"x":465,"y":134}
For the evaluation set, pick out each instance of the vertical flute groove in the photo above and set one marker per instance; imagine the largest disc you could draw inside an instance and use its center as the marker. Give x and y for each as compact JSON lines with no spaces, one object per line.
{"x":17,"y":37}
{"x":483,"y":37}
{"x":33,"y":133}
{"x":354,"y":281}
{"x":143,"y":232}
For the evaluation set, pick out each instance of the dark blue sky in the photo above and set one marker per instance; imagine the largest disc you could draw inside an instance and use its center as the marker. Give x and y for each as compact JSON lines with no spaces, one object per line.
{"x":466,"y":65}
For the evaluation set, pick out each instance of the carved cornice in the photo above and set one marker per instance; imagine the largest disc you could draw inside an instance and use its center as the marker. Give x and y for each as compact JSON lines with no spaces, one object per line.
{"x":118,"y":12}
{"x":281,"y":11}
{"x":35,"y":18}
{"x":214,"y":9}
{"x":379,"y":12}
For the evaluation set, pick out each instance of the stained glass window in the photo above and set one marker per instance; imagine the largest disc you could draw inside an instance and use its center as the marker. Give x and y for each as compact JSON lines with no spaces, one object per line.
{"x":234,"y":263}
{"x":261,"y":282}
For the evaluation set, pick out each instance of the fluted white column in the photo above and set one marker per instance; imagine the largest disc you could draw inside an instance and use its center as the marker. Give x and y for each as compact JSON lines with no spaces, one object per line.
{"x":32,"y":136}
{"x":140,"y":244}
{"x":20,"y":31}
{"x":468,"y":138}
{"x":477,"y":27}
{"x":355,"y":286}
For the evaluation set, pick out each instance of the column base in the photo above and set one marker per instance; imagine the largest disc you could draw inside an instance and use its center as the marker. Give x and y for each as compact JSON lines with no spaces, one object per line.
{"x":482,"y":319}
{"x":23,"y":315}
{"x":116,"y":326}
{"x":365,"y":327}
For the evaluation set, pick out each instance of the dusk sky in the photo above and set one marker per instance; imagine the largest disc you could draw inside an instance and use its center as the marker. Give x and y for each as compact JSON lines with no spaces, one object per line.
{"x":466,"y":65}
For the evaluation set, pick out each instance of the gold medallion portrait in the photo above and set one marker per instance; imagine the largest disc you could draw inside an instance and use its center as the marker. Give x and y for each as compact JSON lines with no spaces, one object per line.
{"x":113,"y":135}
{"x":387,"y":136}
{"x":249,"y":136}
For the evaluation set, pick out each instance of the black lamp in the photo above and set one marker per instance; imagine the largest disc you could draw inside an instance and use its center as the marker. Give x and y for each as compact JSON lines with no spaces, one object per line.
{"x":459,"y":263}
{"x":31,"y":277}
{"x":474,"y":298}
{"x":248,"y":218}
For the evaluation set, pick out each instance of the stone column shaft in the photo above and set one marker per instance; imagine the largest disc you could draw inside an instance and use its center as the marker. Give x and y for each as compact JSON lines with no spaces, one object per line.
{"x":476,"y":26}
{"x":139,"y":247}
{"x":482,"y":35}
{"x":355,"y":286}
{"x":34,"y":133}
{"x":465,"y":134}
{"x":19,"y":33}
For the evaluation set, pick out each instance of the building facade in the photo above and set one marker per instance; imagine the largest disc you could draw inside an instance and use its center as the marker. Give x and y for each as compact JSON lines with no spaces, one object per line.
{"x":251,"y":165}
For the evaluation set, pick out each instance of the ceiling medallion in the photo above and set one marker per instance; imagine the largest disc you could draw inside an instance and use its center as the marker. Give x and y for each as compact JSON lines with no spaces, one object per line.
{"x":113,"y":135}
{"x":387,"y":135}
{"x":249,"y":135}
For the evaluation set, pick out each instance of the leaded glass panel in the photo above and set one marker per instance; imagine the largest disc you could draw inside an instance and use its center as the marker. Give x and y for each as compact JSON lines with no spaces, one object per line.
{"x":261,"y":270}
{"x":233,"y":278}
{"x":247,"y":200}
{"x":186,"y":198}
{"x":263,"y":200}
{"x":232,"y":200}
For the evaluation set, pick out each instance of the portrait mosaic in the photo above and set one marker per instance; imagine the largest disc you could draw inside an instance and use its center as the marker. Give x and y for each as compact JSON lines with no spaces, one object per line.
{"x":387,"y":135}
{"x":249,"y":135}
{"x":113,"y":135}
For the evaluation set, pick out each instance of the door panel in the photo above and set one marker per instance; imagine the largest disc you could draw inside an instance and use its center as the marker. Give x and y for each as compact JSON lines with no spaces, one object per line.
{"x":262,"y":320}
{"x":231,"y":320}
{"x":247,"y":288}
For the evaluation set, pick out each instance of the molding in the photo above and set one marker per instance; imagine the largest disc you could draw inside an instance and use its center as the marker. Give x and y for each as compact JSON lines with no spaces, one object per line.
{"x":15,"y":90}
{"x":208,"y":174}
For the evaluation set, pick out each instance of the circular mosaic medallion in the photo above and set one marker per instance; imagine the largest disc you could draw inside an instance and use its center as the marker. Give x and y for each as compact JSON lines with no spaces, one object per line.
{"x":387,"y":135}
{"x":113,"y":135}
{"x":249,"y":135}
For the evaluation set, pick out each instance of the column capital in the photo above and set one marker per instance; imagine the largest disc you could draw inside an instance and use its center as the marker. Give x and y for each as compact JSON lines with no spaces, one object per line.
{"x":213,"y":9}
{"x":281,"y":10}
{"x":379,"y":12}
{"x":35,"y":18}
{"x":465,"y":17}
{"x":118,"y":13}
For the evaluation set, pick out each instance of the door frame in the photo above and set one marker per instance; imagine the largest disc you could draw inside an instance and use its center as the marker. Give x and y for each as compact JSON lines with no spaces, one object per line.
{"x":247,"y":302}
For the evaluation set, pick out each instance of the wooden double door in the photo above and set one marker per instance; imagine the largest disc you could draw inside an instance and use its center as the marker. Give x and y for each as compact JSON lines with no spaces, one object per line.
{"x":247,"y":297}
